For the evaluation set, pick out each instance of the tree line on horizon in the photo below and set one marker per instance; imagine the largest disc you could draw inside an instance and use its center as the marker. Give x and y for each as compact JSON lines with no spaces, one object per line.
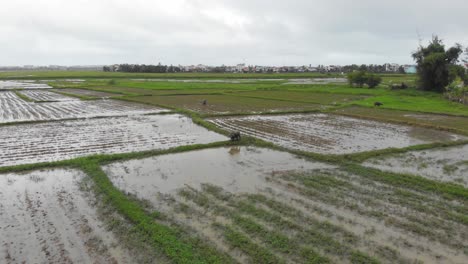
{"x":159,"y":68}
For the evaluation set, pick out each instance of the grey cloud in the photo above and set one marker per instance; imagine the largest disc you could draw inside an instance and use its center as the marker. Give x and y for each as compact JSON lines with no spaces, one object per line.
{"x":221,"y":31}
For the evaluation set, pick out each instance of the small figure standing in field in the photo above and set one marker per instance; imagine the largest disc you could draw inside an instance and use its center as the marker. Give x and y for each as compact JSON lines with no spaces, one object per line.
{"x":204,"y":102}
{"x":378,"y":104}
{"x":235,"y":136}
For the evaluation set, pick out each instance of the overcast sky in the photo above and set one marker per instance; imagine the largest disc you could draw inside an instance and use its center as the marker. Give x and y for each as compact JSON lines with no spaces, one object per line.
{"x":214,"y":32}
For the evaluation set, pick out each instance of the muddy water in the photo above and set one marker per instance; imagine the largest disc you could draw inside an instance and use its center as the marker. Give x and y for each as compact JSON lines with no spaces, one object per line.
{"x":51,"y":141}
{"x":445,"y":164}
{"x":331,"y":134}
{"x":45,"y":218}
{"x":22,"y":85}
{"x":236,"y":169}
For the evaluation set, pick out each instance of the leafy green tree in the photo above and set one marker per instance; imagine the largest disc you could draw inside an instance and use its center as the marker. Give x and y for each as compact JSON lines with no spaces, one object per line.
{"x":359,"y":78}
{"x":434,"y":63}
{"x":373,"y":80}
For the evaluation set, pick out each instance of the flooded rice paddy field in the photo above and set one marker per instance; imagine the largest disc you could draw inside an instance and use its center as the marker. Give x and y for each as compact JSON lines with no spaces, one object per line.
{"x":52,"y":141}
{"x":444,"y":164}
{"x":331,"y":134}
{"x":286,"y":209}
{"x":254,"y":205}
{"x":15,"y":109}
{"x":46,"y":218}
{"x":10,"y":85}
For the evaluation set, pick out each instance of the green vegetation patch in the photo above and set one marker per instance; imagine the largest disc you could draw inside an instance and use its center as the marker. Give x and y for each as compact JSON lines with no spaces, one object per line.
{"x":427,"y":102}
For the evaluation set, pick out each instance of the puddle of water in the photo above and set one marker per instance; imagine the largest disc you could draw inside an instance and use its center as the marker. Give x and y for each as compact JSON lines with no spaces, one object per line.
{"x":445,"y":164}
{"x":45,"y":218}
{"x":70,"y":139}
{"x":331,"y":134}
{"x":236,"y":169}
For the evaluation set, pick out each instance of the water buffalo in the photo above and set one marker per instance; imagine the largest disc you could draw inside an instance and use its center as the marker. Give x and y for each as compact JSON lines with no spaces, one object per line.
{"x":235,"y":136}
{"x":378,"y":104}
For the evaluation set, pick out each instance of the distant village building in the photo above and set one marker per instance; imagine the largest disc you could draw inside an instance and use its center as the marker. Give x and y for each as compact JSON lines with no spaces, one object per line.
{"x":410,"y":69}
{"x":391,"y":67}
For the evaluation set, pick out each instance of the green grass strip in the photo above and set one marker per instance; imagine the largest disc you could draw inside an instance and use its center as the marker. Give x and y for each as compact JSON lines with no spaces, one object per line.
{"x":258,"y":254}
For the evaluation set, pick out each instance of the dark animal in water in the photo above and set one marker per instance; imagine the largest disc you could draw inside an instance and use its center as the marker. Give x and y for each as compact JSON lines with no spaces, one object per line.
{"x":235,"y":136}
{"x":378,"y":104}
{"x":399,"y":87}
{"x":204,"y":102}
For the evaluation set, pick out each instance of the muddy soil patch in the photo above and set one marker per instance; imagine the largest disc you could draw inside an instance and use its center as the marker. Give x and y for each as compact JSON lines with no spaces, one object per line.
{"x":331,"y":134}
{"x":45,"y":218}
{"x":60,"y":140}
{"x":444,"y":164}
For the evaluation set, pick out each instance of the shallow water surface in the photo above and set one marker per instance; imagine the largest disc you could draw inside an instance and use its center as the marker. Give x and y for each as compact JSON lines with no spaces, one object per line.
{"x":236,"y":169}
